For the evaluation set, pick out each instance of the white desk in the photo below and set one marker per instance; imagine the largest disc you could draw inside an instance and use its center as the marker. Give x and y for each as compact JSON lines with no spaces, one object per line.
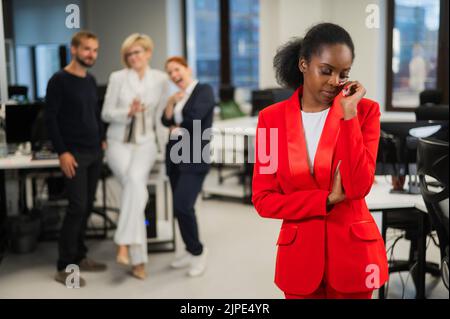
{"x":20,"y":162}
{"x":239,"y":126}
{"x":157,"y":178}
{"x":380,"y":197}
{"x":26,"y":162}
{"x":381,"y":200}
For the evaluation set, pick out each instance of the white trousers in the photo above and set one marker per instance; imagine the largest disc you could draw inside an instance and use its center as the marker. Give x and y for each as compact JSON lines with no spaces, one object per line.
{"x":131,"y":164}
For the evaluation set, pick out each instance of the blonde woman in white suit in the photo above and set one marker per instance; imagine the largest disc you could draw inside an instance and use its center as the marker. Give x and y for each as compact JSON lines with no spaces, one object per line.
{"x":135,"y":98}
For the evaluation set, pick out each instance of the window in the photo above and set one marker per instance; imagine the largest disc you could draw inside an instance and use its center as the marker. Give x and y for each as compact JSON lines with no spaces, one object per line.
{"x":3,"y":65}
{"x":36,"y":64}
{"x":203,"y":40}
{"x":235,"y":59}
{"x":24,"y":68}
{"x":245,"y":43}
{"x":413,"y":56}
{"x":47,"y":63}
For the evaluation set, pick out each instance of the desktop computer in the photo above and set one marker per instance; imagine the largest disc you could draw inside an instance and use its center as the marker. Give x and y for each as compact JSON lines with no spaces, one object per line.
{"x":25,"y":123}
{"x":150,"y":212}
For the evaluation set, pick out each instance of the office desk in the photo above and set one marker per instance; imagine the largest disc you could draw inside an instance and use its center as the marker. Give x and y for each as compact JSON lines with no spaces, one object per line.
{"x":380,"y":197}
{"x":381,"y":200}
{"x":157,"y":178}
{"x":233,"y":143}
{"x":26,"y":162}
{"x":17,"y":162}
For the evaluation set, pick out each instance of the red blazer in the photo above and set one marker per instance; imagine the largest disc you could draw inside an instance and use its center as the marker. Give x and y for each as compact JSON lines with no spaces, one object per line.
{"x":345,"y":243}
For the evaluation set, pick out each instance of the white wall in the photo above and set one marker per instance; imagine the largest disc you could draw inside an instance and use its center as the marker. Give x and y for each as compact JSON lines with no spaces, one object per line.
{"x":269,"y":40}
{"x":370,"y":63}
{"x":114,"y":20}
{"x":283,"y":19}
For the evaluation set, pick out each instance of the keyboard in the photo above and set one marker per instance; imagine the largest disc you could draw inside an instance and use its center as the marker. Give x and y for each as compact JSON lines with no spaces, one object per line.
{"x":44,"y":155}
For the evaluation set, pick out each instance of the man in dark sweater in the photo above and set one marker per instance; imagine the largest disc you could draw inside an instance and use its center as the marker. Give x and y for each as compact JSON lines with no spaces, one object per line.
{"x":76,"y":131}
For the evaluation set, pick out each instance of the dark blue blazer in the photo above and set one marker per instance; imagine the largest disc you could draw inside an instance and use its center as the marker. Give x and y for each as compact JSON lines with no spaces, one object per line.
{"x":199,"y":106}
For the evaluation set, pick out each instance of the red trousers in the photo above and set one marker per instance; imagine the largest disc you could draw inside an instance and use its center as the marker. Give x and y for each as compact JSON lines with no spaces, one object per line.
{"x":325,"y":291}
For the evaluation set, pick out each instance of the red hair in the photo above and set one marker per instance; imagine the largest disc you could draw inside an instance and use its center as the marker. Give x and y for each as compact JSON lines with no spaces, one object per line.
{"x":177,"y":59}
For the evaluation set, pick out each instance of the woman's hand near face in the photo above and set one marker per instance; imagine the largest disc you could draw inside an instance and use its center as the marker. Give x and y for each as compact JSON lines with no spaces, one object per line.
{"x":352,"y":93}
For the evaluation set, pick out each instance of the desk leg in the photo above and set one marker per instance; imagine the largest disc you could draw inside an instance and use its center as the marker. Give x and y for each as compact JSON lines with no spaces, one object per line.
{"x":105,"y":210}
{"x":2,"y":198}
{"x":3,"y":214}
{"x":421,"y":258}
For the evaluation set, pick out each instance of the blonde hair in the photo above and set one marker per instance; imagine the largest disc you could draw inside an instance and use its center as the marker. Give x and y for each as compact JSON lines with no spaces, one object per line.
{"x":136,"y":38}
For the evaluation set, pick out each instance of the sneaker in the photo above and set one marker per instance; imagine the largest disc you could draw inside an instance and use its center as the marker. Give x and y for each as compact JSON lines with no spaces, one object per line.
{"x":198,"y":264}
{"x":91,"y":265}
{"x":182,"y":261}
{"x":61,"y":277}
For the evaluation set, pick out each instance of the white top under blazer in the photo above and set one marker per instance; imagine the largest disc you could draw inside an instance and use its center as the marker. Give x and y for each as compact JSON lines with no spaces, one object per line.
{"x":313,"y":123}
{"x":123,"y":87}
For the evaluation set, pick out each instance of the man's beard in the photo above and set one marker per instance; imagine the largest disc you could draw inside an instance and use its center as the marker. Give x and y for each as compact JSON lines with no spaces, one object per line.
{"x":83,"y":63}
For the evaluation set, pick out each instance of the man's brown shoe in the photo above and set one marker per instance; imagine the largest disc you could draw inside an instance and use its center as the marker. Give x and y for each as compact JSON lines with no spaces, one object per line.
{"x":91,"y":265}
{"x":61,"y":277}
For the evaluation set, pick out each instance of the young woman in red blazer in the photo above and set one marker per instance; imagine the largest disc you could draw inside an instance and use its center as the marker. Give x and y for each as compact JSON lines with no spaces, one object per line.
{"x":315,"y":163}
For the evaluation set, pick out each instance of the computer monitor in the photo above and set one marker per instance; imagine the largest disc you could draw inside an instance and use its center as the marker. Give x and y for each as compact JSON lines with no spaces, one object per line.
{"x":263,"y":98}
{"x":20,"y":120}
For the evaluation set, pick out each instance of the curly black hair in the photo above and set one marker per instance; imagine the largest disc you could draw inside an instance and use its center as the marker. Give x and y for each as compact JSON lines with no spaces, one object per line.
{"x":287,"y":57}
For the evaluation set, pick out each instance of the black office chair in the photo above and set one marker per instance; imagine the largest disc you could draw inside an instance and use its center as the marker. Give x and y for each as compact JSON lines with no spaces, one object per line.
{"x":433,"y":161}
{"x":432,"y":97}
{"x":389,"y":162}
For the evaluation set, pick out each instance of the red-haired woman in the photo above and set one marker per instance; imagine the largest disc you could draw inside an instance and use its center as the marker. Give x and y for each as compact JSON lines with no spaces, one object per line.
{"x":190,"y":108}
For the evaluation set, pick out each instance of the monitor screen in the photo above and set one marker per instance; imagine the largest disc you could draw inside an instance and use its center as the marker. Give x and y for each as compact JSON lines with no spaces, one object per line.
{"x":19,"y":120}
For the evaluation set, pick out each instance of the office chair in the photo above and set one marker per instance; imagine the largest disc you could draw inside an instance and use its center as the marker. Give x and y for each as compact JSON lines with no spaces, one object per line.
{"x":433,"y":161}
{"x":389,"y":162}
{"x":436,"y":112}
{"x":430,"y":97}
